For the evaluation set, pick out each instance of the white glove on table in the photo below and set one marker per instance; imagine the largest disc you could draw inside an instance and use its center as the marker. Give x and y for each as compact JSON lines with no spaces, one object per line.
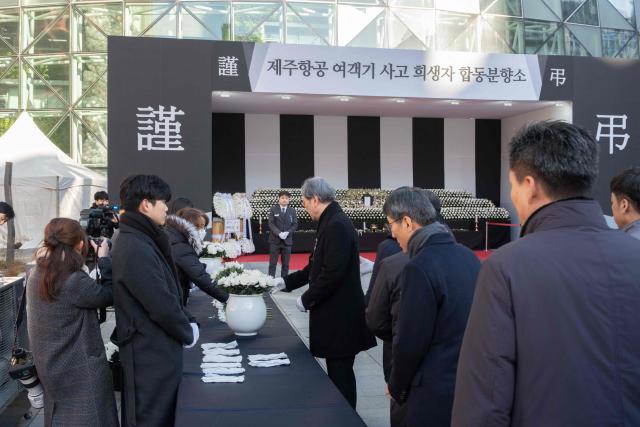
{"x":223,"y":379}
{"x":299,"y":304}
{"x":196,"y":335}
{"x":220,"y":358}
{"x":279,"y":285}
{"x":222,"y":351}
{"x":209,"y":345}
{"x":256,"y":357}
{"x":222,"y":371}
{"x":269,"y":363}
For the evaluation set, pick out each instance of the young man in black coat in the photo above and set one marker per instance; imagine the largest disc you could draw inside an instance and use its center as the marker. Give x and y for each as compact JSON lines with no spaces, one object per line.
{"x":152,"y":325}
{"x":337,"y":326}
{"x":437,"y":287}
{"x":553,"y":336}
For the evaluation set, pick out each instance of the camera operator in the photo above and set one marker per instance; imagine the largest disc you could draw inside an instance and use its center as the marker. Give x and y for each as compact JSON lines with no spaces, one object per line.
{"x":63,"y":328}
{"x":110,"y":219}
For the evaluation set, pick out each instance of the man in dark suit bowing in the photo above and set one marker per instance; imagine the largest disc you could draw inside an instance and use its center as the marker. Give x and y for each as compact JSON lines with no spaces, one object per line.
{"x":282,"y":223}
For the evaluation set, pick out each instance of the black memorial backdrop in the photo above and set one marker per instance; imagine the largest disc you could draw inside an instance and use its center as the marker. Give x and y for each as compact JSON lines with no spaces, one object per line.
{"x":296,"y":149}
{"x":148,"y":72}
{"x":228,"y":152}
{"x":488,"y":160}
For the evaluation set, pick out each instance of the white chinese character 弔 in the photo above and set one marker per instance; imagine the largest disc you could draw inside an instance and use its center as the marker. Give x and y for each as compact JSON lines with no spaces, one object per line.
{"x":613,"y":122}
{"x":557,"y":76}
{"x":159,"y":129}
{"x":228,"y":66}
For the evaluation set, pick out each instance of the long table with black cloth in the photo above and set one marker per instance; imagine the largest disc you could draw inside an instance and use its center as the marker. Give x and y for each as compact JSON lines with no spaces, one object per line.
{"x":285,"y":396}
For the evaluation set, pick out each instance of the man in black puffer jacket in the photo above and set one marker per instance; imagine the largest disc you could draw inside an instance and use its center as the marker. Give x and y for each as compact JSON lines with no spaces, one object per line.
{"x":185,"y":248}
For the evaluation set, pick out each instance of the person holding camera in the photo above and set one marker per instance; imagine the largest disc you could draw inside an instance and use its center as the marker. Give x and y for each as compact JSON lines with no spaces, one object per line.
{"x":63,"y":328}
{"x":186,"y":231}
{"x":102,"y":219}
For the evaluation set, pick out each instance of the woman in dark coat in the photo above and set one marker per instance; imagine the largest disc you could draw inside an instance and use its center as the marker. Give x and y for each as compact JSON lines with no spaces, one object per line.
{"x":64,"y":332}
{"x":185,"y":235}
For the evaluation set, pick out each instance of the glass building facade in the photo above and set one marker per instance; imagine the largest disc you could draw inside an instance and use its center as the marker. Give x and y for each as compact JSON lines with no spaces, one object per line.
{"x":53,"y":59}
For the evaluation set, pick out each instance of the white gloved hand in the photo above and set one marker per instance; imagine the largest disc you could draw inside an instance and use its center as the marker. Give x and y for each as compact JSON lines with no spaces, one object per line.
{"x":299,"y":304}
{"x":279,"y":285}
{"x":196,"y":335}
{"x":286,"y":234}
{"x":282,"y":235}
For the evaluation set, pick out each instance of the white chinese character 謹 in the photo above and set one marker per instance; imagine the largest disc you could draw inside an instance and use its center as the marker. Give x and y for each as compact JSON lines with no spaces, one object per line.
{"x":614,"y":122}
{"x":557,"y":76}
{"x":228,"y":66}
{"x":159,"y":129}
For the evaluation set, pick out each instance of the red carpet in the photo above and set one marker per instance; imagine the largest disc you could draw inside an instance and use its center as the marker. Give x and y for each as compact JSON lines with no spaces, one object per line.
{"x":299,"y":261}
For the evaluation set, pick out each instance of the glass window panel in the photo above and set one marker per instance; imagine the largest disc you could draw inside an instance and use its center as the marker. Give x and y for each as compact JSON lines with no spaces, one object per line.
{"x":46,"y":30}
{"x":9,"y":3}
{"x":373,"y":35}
{"x":258,"y":22}
{"x":91,"y":82}
{"x":9,"y":31}
{"x":141,"y":16}
{"x":456,"y":32}
{"x":464,"y":6}
{"x":587,"y":14}
{"x":543,"y":38}
{"x":502,"y":35}
{"x":568,"y":7}
{"x":52,"y":78}
{"x":556,"y":6}
{"x":92,"y":136}
{"x":505,"y":7}
{"x":352,"y":20}
{"x":419,"y":23}
{"x":5,"y":63}
{"x":310,"y":23}
{"x":369,"y":2}
{"x":614,"y":40}
{"x":94,"y":23}
{"x":6,"y":120}
{"x":610,"y":17}
{"x":61,"y":136}
{"x":165,"y":26}
{"x":206,"y":21}
{"x":10,"y":87}
{"x":538,"y":10}
{"x":589,"y":37}
{"x":412,"y":3}
{"x":48,"y":122}
{"x":630,"y":51}
{"x":626,"y":9}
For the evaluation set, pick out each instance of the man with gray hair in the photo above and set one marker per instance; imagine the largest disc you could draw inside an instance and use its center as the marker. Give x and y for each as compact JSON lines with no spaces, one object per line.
{"x":437,"y":287}
{"x":337,"y":326}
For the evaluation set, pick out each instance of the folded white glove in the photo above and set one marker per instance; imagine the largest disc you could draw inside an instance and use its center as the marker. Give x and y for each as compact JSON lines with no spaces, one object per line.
{"x":279,"y":285}
{"x":221,"y":358}
{"x":209,"y":365}
{"x":269,"y":363}
{"x":196,"y":335}
{"x":208,"y":345}
{"x":222,"y":379}
{"x":299,"y":304}
{"x":256,"y":357}
{"x":221,"y":351}
{"x":222,"y":371}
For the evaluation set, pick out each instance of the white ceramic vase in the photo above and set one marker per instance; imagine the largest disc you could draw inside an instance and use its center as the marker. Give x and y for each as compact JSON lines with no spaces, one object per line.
{"x":246,"y":314}
{"x":213,"y":265}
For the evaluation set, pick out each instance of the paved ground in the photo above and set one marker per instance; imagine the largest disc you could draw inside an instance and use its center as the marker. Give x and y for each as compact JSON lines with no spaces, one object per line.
{"x":373,"y":405}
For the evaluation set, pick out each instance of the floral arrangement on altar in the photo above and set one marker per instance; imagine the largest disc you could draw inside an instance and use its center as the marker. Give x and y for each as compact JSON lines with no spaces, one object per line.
{"x":237,"y":280}
{"x":213,"y":250}
{"x":232,"y":249}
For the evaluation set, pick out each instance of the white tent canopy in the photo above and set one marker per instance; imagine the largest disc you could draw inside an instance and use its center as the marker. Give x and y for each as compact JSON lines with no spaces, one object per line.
{"x":45,"y":182}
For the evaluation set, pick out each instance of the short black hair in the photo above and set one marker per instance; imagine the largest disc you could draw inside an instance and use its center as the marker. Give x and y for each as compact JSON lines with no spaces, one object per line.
{"x":412,"y":202}
{"x":562,"y":156}
{"x":136,"y":188}
{"x":284,"y":193}
{"x":627,"y":184}
{"x":180,"y":203}
{"x":101,"y":195}
{"x":6,"y":209}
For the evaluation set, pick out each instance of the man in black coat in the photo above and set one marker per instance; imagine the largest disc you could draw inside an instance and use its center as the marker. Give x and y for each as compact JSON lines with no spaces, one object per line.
{"x":553,"y":336}
{"x":337,"y":326}
{"x":382,"y":317}
{"x":389,"y":246}
{"x":283,"y":222}
{"x":152,"y":325}
{"x":437,"y":287}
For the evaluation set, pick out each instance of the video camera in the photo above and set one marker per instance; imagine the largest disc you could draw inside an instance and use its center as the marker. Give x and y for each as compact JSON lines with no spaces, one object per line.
{"x":98,"y":221}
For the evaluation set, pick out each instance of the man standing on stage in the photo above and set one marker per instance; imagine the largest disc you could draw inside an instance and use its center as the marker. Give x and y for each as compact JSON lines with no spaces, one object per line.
{"x":282,"y":223}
